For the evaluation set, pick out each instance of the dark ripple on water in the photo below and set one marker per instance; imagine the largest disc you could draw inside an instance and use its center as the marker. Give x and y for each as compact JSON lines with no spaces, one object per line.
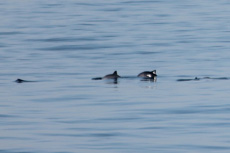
{"x":82,"y":47}
{"x":10,"y":33}
{"x":67,"y":39}
{"x":8,"y":151}
{"x":111,"y":134}
{"x":6,"y":116}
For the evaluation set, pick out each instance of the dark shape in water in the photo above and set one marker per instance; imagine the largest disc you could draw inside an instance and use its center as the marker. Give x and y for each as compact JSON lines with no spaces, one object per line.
{"x":148,"y":74}
{"x":114,"y":76}
{"x":197,"y":79}
{"x":220,"y":78}
{"x":21,"y":81}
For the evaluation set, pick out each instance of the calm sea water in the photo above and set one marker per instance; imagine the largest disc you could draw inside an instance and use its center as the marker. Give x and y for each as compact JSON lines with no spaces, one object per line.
{"x":63,"y":44}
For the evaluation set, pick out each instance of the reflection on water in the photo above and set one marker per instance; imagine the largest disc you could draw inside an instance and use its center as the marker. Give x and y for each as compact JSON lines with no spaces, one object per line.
{"x":111,"y":81}
{"x":149,"y":79}
{"x":63,"y":44}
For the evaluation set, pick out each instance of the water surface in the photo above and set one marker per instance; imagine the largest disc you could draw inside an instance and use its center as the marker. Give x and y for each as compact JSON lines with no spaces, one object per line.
{"x":63,"y":44}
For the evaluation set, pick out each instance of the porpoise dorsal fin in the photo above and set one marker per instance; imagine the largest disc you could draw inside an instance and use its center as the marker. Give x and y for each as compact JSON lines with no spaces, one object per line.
{"x":19,"y":80}
{"x":115,"y":72}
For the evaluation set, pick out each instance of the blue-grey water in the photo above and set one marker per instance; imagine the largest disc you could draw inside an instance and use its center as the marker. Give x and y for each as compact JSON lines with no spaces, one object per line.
{"x":63,"y":44}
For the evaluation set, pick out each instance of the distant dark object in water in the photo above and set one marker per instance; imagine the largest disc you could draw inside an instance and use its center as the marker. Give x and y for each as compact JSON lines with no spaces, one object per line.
{"x":112,"y":76}
{"x":21,"y":81}
{"x":98,"y":78}
{"x":197,"y":79}
{"x":109,"y":76}
{"x":148,"y":74}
